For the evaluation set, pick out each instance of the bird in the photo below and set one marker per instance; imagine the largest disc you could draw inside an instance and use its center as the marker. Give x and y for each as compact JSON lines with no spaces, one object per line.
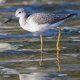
{"x":40,"y":22}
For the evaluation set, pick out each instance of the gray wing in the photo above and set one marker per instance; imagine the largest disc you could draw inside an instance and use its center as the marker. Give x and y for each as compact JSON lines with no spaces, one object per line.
{"x":43,"y":18}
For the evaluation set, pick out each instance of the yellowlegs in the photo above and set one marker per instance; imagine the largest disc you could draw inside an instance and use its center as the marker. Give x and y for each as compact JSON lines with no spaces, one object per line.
{"x":40,"y":22}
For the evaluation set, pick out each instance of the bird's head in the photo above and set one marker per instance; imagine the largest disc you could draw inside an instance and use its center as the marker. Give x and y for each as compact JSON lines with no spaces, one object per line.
{"x":20,"y":13}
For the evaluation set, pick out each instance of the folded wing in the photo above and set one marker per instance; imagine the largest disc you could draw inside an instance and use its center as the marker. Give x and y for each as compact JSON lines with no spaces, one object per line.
{"x":44,"y":18}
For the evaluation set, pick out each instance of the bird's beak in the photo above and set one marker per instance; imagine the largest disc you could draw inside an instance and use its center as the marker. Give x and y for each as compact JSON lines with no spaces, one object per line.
{"x":11,"y":18}
{"x":8,"y":20}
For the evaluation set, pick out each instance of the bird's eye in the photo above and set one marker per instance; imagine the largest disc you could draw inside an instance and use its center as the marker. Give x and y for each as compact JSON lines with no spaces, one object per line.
{"x":19,"y":12}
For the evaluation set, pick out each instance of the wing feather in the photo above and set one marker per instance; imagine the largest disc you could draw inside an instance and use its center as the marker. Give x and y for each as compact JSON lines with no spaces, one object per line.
{"x":44,"y":18}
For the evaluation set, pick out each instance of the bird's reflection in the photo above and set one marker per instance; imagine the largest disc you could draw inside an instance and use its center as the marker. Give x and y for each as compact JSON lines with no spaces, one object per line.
{"x":34,"y":76}
{"x":58,"y":65}
{"x":61,"y":76}
{"x":41,"y":75}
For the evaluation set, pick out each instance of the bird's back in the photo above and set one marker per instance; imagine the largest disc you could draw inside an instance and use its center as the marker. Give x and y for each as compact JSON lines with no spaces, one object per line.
{"x":47,"y":18}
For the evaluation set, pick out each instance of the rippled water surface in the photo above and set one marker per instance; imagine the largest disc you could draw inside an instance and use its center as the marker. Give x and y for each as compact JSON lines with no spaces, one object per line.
{"x":20,"y":50}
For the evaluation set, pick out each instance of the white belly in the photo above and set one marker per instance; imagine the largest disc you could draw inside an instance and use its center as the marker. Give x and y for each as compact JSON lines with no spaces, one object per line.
{"x":31,"y":26}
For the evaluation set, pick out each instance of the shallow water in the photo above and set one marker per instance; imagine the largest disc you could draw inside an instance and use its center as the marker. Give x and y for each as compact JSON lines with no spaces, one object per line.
{"x":20,"y":50}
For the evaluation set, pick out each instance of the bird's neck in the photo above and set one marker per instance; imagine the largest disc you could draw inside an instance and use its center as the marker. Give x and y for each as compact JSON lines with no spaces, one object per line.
{"x":22,"y":21}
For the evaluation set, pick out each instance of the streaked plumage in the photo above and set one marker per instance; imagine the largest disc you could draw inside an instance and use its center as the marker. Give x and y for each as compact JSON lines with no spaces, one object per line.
{"x":43,"y":18}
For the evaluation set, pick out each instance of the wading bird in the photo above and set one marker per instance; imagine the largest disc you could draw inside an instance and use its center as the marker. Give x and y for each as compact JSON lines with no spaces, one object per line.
{"x":40,"y":22}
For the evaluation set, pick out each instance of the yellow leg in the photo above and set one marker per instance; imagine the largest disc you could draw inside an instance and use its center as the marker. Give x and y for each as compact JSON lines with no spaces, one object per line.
{"x":58,"y":42}
{"x":58,"y":65}
{"x":41,"y":50}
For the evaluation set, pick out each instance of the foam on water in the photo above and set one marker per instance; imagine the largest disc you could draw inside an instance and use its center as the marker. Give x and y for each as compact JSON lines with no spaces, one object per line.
{"x":6,"y":46}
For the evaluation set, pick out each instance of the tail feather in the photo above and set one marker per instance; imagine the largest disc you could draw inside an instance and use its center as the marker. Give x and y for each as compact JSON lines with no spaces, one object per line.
{"x":73,"y":14}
